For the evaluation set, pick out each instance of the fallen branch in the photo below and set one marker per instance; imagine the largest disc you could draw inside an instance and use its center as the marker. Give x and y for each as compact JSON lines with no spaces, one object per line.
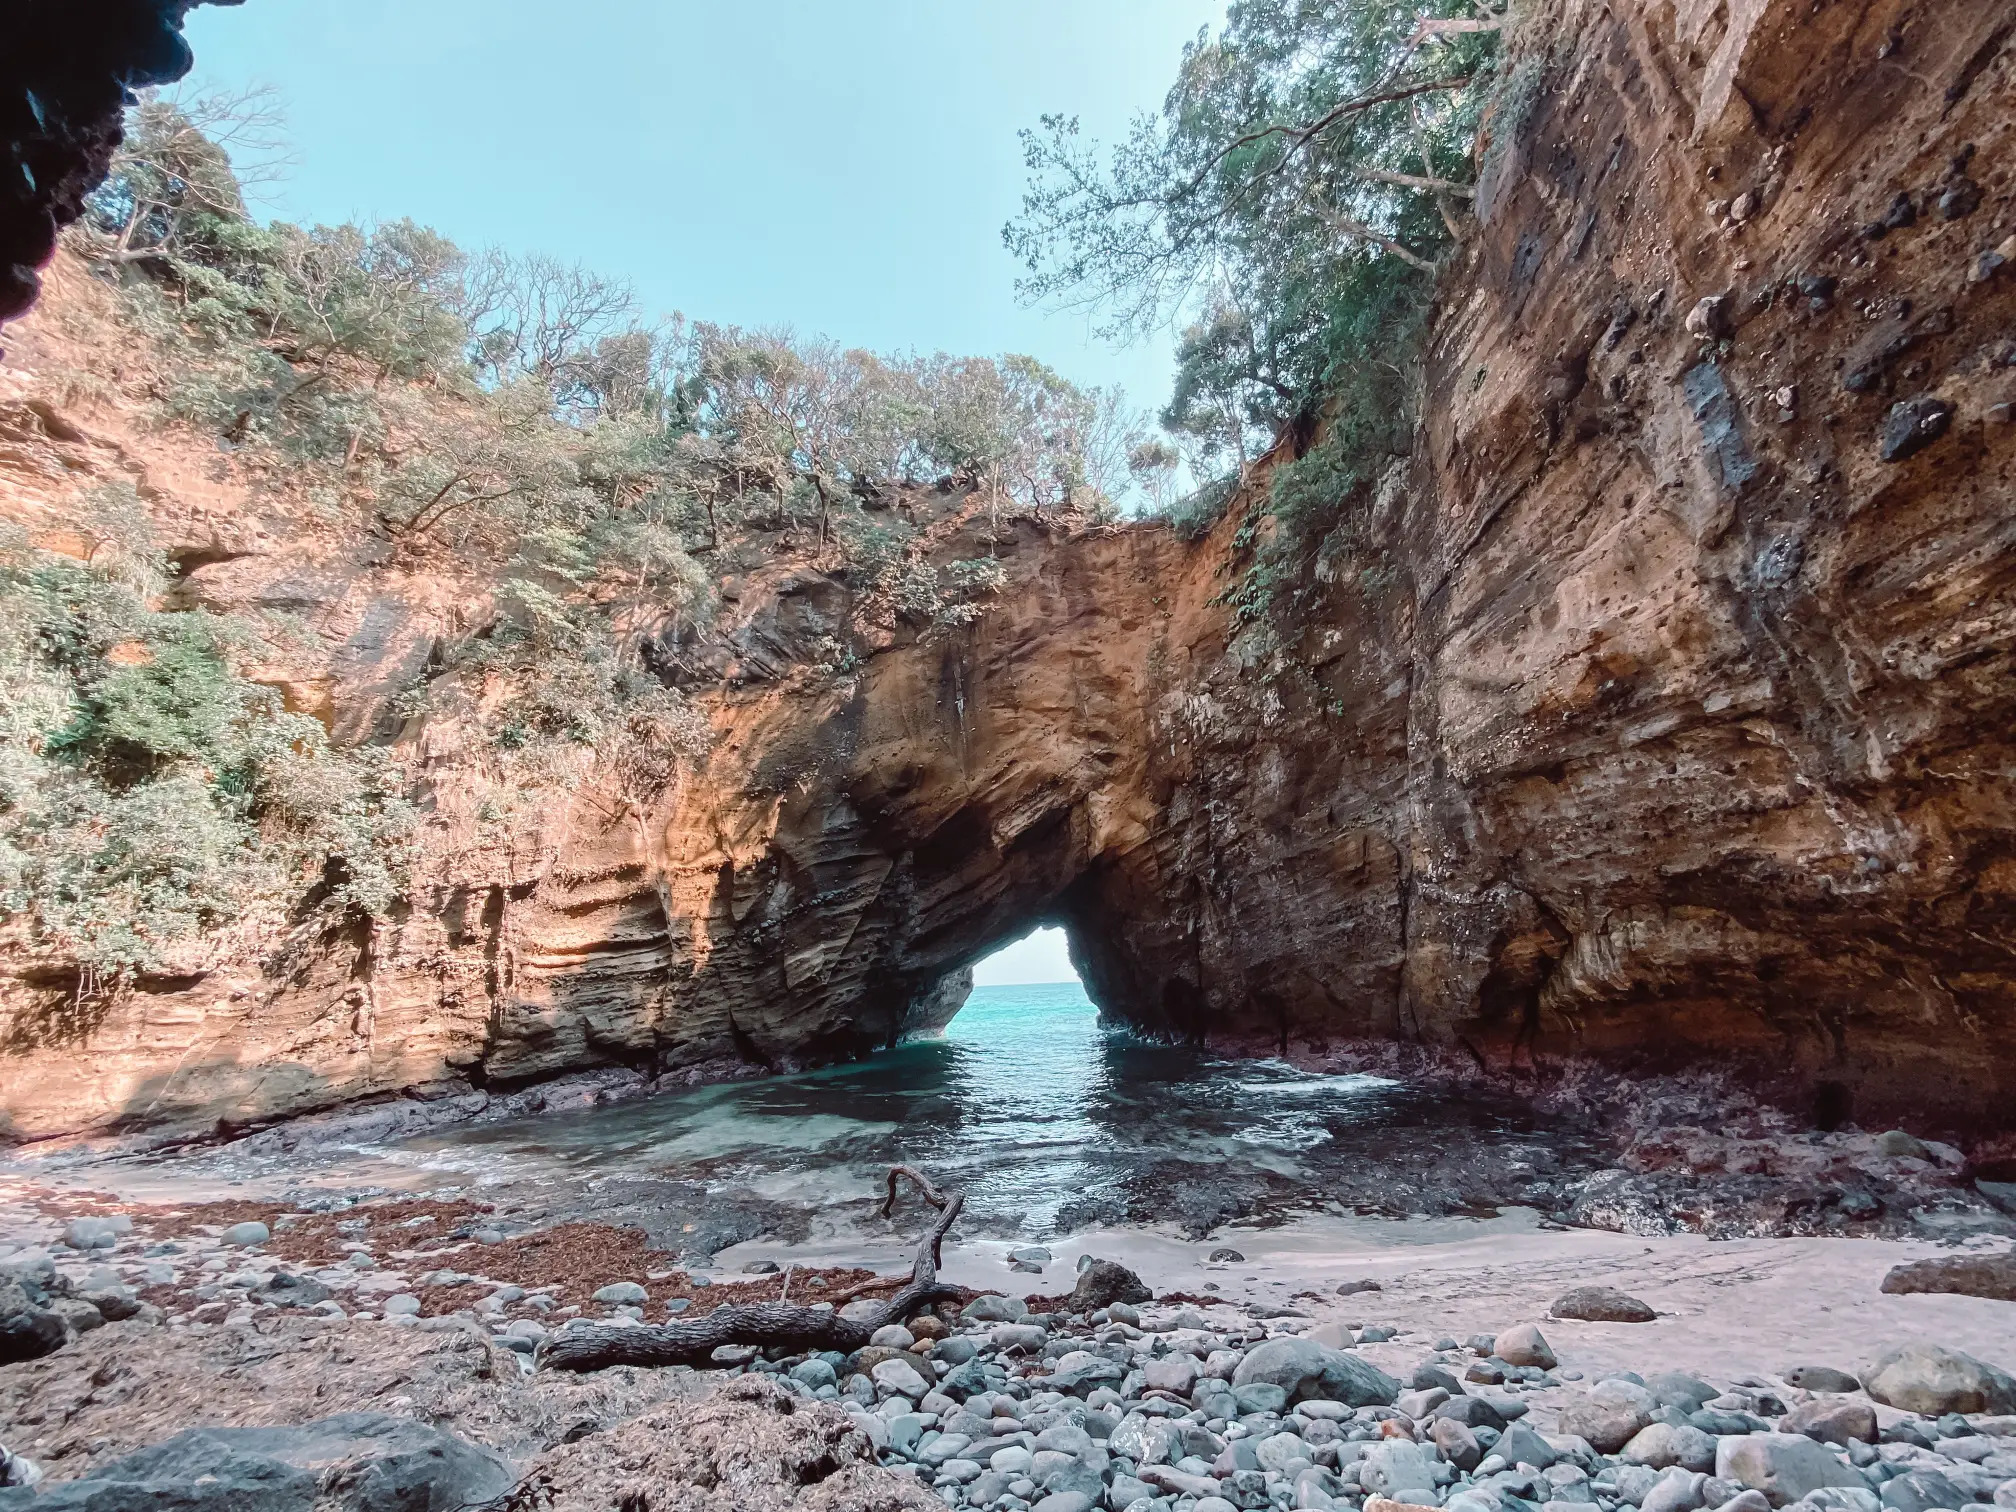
{"x":776,"y":1324}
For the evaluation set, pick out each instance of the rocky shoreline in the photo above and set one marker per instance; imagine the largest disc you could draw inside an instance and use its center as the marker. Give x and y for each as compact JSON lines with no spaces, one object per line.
{"x":1190,"y":1403}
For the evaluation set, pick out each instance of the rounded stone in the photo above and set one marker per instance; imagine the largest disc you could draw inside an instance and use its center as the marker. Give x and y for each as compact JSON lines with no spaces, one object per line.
{"x":622,"y":1293}
{"x":402,"y":1304}
{"x":246,"y":1235}
{"x":1524,"y":1344}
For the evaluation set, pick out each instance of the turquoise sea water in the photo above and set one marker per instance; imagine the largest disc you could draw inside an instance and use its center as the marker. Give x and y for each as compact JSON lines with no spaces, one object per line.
{"x":1050,"y":1122}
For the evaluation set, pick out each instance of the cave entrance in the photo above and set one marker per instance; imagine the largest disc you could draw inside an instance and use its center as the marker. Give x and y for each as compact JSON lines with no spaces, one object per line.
{"x":1026,"y":991}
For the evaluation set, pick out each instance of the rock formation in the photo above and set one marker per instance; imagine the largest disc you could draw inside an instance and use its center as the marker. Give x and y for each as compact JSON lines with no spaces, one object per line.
{"x":1655,"y":712}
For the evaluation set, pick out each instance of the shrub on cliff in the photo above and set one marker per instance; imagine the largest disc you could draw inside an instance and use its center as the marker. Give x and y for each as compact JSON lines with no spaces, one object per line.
{"x":152,"y":796}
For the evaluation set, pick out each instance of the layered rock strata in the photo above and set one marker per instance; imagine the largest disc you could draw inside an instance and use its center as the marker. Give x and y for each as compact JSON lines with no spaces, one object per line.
{"x":1656,"y":711}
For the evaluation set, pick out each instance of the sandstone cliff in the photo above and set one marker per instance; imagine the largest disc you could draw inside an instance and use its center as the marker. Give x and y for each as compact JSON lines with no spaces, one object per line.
{"x":1655,"y":713}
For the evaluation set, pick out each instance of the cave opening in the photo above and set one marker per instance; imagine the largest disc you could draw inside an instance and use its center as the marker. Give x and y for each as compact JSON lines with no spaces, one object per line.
{"x":1025,"y":990}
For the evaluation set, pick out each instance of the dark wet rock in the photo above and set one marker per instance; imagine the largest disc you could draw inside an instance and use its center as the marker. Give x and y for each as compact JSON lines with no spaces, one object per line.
{"x":1601,"y":1304}
{"x":1225,"y":1255}
{"x":356,"y":1462}
{"x":1104,"y":1282}
{"x":1959,"y":199}
{"x":1353,"y":1288}
{"x":1914,"y":424}
{"x":1903,"y":212}
{"x":1992,"y":1276}
{"x":27,"y":1331}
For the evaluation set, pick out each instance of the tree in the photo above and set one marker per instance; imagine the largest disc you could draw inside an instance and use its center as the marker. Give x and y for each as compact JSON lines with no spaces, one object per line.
{"x":1307,"y":151}
{"x":186,"y":158}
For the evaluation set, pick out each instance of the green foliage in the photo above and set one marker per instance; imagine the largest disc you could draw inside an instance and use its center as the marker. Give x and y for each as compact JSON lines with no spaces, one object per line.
{"x":1290,"y":206}
{"x":151,"y":796}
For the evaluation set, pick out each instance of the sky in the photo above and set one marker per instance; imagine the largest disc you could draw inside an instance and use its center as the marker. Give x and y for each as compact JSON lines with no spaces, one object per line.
{"x":842,"y":167}
{"x":1042,"y":956}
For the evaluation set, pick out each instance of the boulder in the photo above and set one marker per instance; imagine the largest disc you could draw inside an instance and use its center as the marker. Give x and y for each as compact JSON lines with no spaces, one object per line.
{"x":356,"y":1462}
{"x":27,"y":1331}
{"x":1609,"y":1414}
{"x":1832,"y":1420}
{"x":1784,"y":1466}
{"x":1992,"y":1276}
{"x":248,"y":1235}
{"x":1659,"y":1446}
{"x":991,"y":1309}
{"x":1928,"y":1379}
{"x":1303,"y":1369}
{"x":1524,"y":1345}
{"x":1922,"y":1491}
{"x":1599,"y":1304}
{"x":1104,"y":1282}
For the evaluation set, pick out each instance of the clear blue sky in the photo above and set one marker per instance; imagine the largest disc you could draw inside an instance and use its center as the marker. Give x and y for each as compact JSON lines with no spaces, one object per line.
{"x":840,"y":166}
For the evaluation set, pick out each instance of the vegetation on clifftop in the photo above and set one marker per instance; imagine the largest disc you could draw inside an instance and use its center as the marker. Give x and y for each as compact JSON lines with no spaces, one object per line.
{"x":1290,"y":208}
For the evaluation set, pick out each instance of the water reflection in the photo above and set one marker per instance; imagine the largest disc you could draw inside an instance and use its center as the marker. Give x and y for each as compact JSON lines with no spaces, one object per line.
{"x":1050,"y":1121}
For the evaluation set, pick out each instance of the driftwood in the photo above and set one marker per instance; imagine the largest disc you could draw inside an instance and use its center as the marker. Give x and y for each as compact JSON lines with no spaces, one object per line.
{"x":783,"y":1324}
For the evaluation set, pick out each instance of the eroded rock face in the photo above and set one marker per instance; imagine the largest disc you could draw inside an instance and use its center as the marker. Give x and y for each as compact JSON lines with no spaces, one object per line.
{"x":1647,"y":715}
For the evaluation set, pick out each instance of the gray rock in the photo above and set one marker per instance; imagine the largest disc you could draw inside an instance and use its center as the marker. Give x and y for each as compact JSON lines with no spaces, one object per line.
{"x":285,"y":1289}
{"x":404,"y":1304}
{"x":1609,"y":1414}
{"x":1019,"y":1338}
{"x":760,"y":1268}
{"x":1921,"y":1491}
{"x":993,"y":1309}
{"x":1674,"y":1389}
{"x":1832,"y":1420}
{"x":1898,"y":1144}
{"x":1520,"y":1445}
{"x":1660,"y":1445}
{"x":954,"y":1351}
{"x":357,"y":1462}
{"x":900,"y":1377}
{"x":1400,"y":1470}
{"x":247,"y":1235}
{"x":79,"y":1314}
{"x":1304,"y":1369}
{"x":1523,"y":1344}
{"x":1473,"y":1413}
{"x":1678,"y":1490}
{"x":1784,"y":1466}
{"x":1821,"y":1378}
{"x":1927,"y":1379}
{"x":1599,"y":1304}
{"x":814,"y":1373}
{"x":1458,"y":1444}
{"x":622,"y":1294}
{"x":1065,"y":1501}
{"x":1124,"y":1491}
{"x":96,"y":1233}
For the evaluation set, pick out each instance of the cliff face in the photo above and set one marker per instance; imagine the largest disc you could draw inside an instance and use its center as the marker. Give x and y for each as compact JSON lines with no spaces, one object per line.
{"x":1657,"y":711}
